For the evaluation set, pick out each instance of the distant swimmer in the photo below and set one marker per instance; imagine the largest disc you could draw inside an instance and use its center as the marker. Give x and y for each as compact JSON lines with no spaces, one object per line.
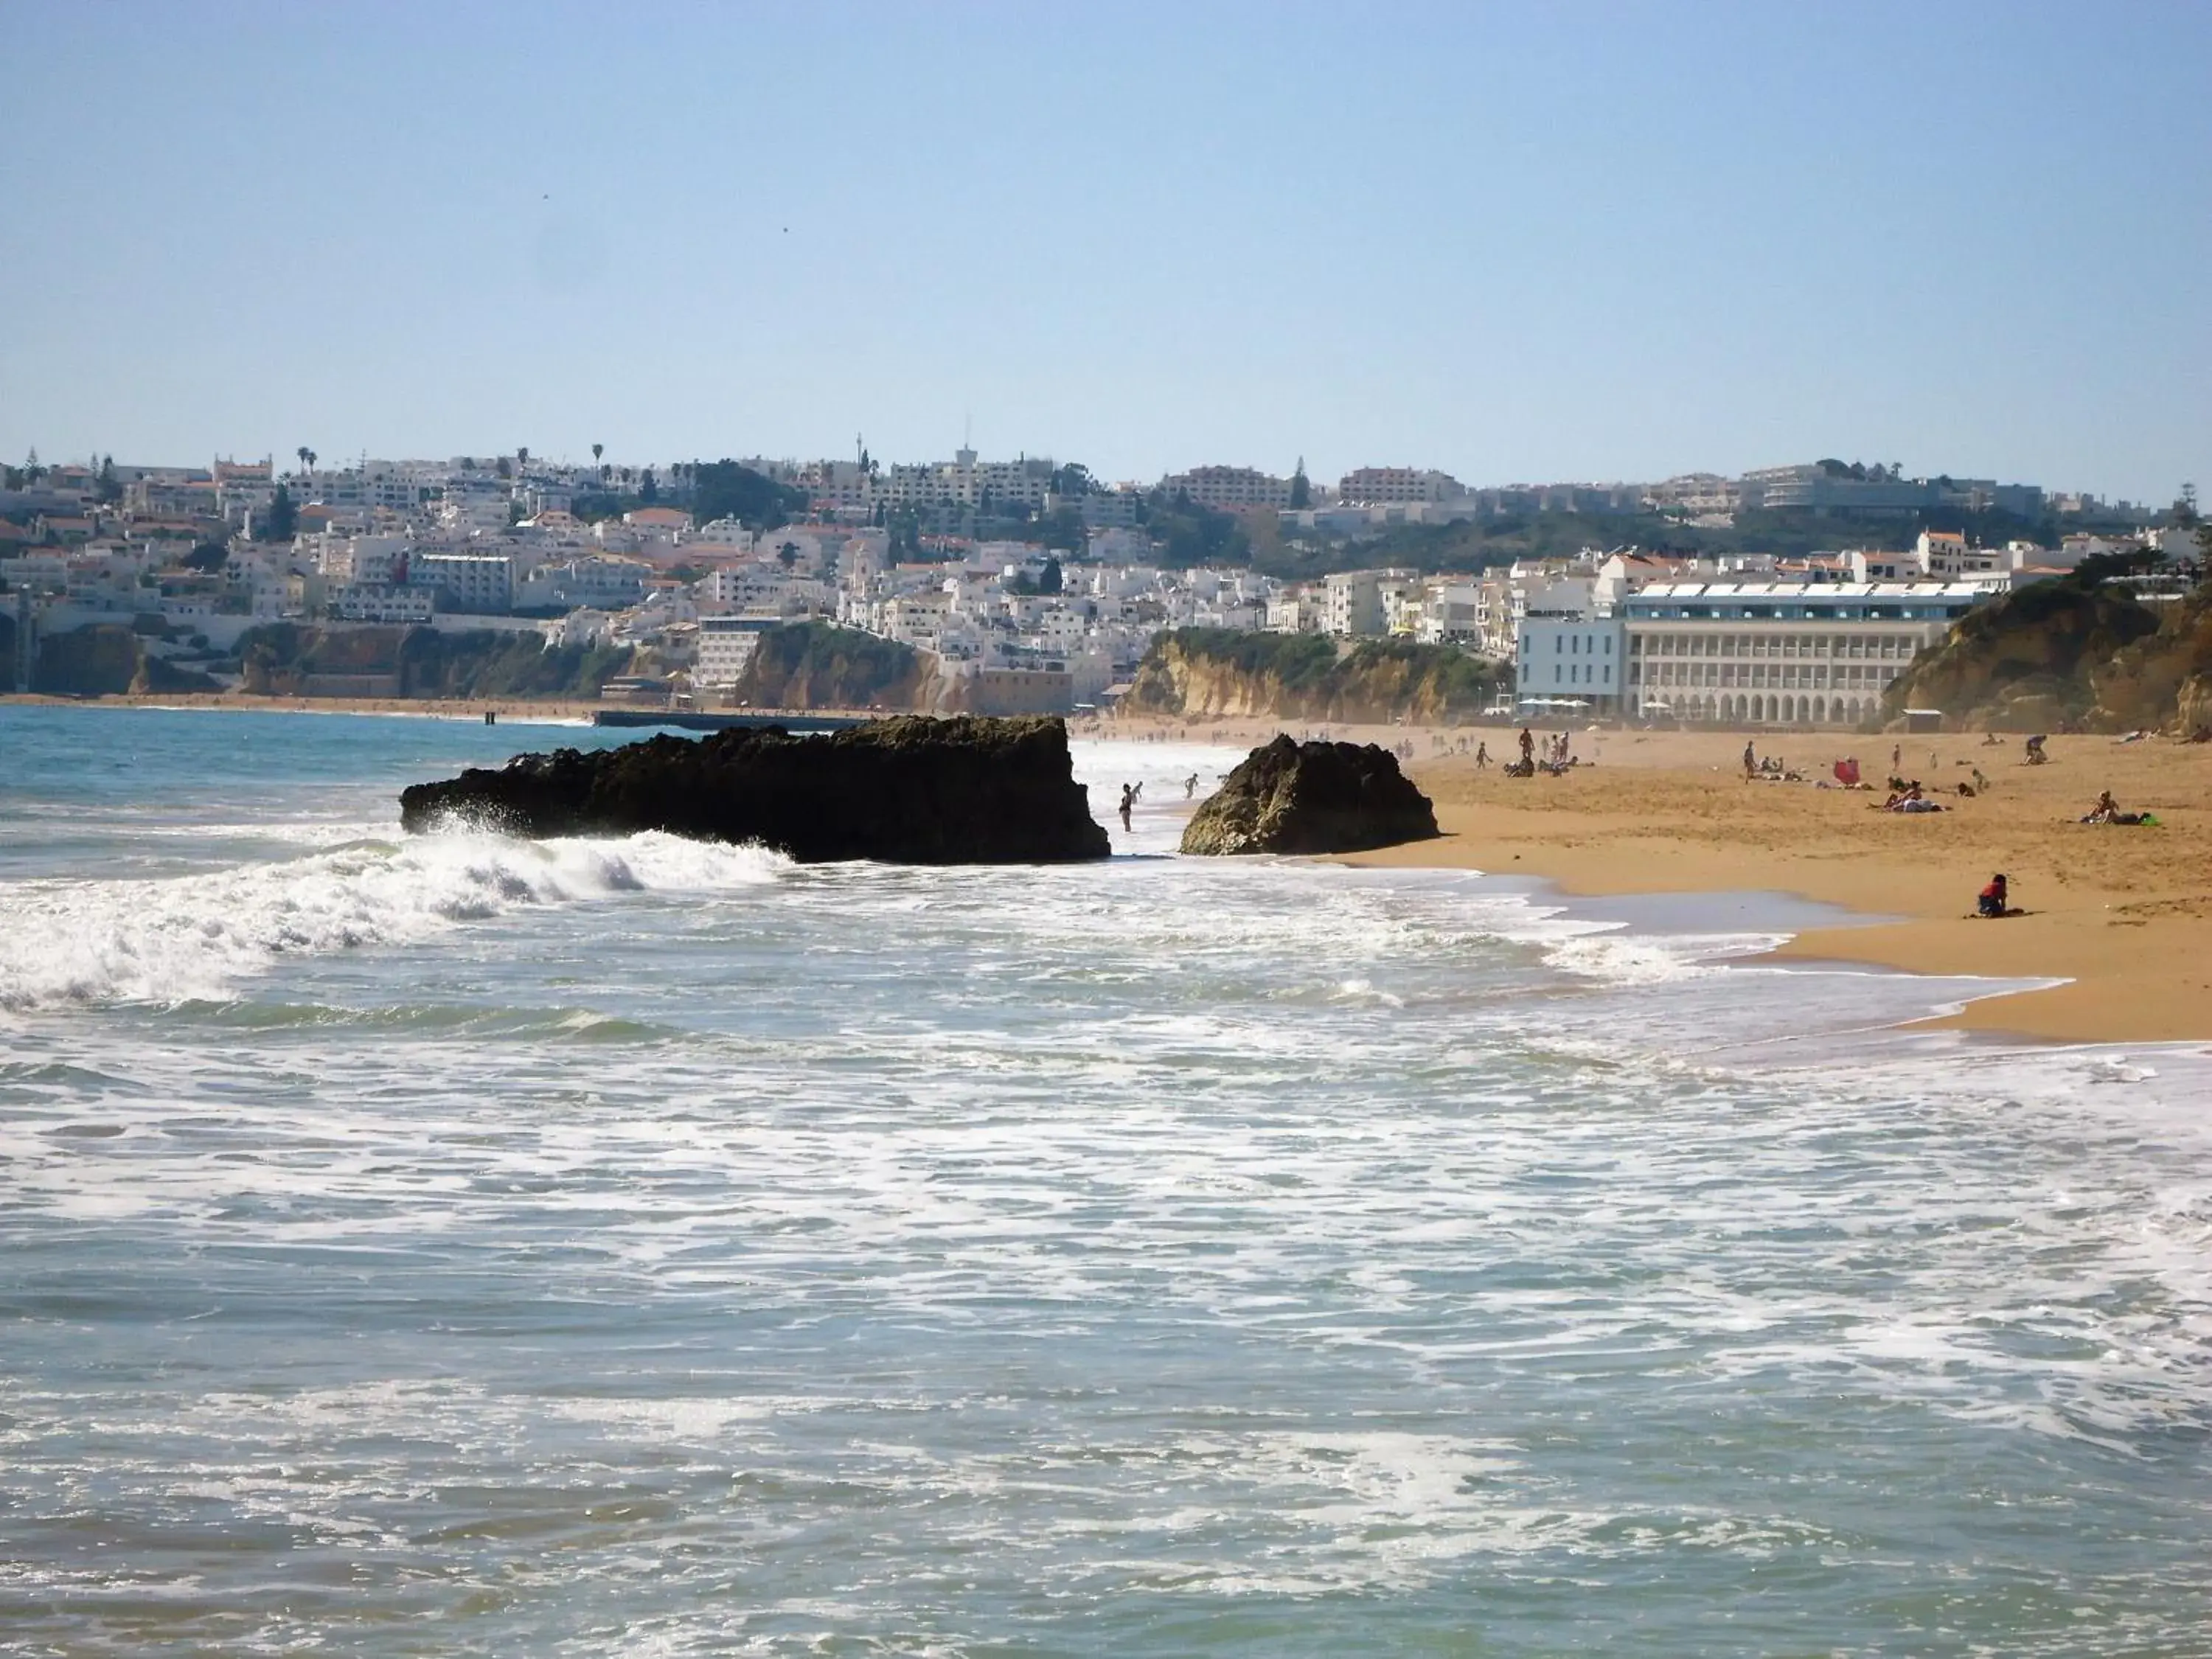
{"x":1128,"y":800}
{"x":1190,"y":785}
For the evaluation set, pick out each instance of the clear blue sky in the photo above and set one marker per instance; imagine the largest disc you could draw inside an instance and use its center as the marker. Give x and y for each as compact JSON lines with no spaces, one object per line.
{"x":1518,"y":242}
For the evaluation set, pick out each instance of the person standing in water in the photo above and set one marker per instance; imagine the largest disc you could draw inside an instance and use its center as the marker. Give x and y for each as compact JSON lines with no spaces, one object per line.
{"x":1190,"y":785}
{"x":1128,"y":800}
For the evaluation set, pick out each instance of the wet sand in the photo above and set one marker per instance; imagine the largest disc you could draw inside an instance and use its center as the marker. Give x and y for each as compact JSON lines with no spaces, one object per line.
{"x":2123,"y":914}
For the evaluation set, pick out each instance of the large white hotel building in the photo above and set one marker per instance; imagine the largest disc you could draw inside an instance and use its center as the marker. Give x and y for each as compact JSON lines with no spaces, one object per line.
{"x":1784,"y":653}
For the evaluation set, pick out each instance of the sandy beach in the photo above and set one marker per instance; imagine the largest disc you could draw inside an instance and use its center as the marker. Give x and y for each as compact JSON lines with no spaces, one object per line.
{"x":2123,"y":914}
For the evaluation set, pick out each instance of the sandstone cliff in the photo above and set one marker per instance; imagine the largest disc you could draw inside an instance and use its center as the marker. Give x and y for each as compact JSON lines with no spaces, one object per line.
{"x":2067,"y":655}
{"x":818,"y":666}
{"x":1200,"y":672}
{"x":301,"y":660}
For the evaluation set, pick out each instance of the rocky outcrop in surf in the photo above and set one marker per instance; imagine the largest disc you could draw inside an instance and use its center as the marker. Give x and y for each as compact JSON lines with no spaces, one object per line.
{"x":1291,"y":797}
{"x":907,"y":790}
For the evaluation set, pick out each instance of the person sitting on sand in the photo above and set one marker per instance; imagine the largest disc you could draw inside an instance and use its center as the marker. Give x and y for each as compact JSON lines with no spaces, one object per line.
{"x":1992,"y":900}
{"x":2107,"y":810}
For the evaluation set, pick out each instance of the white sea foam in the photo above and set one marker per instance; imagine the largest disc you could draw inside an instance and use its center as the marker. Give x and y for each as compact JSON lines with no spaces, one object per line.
{"x":1084,"y":1259}
{"x":196,"y":937}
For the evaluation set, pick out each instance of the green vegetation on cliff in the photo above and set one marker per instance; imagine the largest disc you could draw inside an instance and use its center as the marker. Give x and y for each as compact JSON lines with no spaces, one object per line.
{"x":2079,"y":653}
{"x":1211,"y":671}
{"x":290,"y":659}
{"x":819,"y":666}
{"x":99,"y":661}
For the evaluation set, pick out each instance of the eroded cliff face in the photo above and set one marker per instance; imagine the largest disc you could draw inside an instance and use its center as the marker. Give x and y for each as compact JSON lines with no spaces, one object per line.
{"x":1199,"y":673}
{"x":816,"y":665}
{"x":2030,"y":661}
{"x":99,"y":661}
{"x":2164,"y":679}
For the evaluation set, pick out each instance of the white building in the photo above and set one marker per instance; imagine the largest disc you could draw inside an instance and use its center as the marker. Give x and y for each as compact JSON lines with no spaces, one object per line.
{"x":1571,"y":657}
{"x":965,"y":482}
{"x":380,"y":602}
{"x":1791,"y":653}
{"x":1352,"y":602}
{"x":1228,"y":489}
{"x":1371,"y":486}
{"x":726,"y":644}
{"x":481,"y":584}
{"x":599,"y":583}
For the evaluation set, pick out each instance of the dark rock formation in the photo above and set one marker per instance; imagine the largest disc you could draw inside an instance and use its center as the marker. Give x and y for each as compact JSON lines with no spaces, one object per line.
{"x":906,"y":791}
{"x":1311,"y":797}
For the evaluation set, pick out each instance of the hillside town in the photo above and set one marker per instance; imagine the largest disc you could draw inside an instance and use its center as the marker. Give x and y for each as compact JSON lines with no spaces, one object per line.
{"x":1037,"y":587}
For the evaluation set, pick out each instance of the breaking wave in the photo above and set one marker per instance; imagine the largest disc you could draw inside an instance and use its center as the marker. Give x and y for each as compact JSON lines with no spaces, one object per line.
{"x":192,"y":938}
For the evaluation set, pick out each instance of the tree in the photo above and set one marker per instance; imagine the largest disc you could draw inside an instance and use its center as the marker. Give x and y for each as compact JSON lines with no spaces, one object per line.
{"x":787,"y":554}
{"x":1072,"y":479}
{"x":522,"y":457}
{"x":306,"y":457}
{"x":283,"y":520}
{"x":648,"y":489}
{"x":724,"y":489}
{"x":207,"y":557}
{"x":1051,"y":579}
{"x":598,"y":450}
{"x":1301,"y":489}
{"x":1062,"y":527}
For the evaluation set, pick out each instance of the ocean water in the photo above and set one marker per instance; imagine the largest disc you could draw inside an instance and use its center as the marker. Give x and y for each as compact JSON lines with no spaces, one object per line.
{"x":631,"y":1246}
